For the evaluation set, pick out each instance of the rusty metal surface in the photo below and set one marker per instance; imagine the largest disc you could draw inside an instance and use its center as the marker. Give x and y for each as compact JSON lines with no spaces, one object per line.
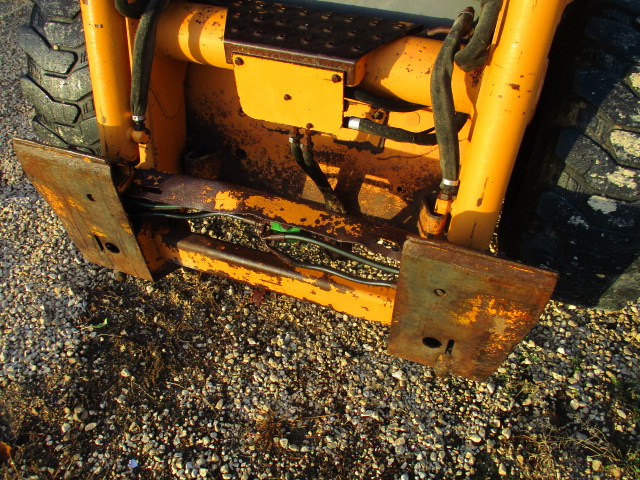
{"x":370,"y":182}
{"x":215,"y":196}
{"x":80,"y":189}
{"x":315,"y":38}
{"x":431,"y":224}
{"x":263,"y":269}
{"x":463,"y":312}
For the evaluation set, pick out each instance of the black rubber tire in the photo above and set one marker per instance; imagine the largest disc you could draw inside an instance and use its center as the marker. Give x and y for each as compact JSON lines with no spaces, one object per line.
{"x":574,"y":202}
{"x":57,"y":82}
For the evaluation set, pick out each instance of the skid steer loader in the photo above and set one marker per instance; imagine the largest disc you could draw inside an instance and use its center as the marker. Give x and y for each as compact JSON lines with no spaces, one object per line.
{"x":366,"y":147}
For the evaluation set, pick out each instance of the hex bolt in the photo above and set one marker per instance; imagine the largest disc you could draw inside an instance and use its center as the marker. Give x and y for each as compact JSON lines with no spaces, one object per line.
{"x":287,"y":96}
{"x":239,"y":61}
{"x":335,"y":78}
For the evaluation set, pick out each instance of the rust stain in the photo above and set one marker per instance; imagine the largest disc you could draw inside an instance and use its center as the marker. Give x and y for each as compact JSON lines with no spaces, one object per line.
{"x":63,"y":178}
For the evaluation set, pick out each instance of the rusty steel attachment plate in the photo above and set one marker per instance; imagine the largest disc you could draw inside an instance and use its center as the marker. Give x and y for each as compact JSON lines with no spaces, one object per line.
{"x":461,"y":311}
{"x":80,"y":189}
{"x":305,"y":36}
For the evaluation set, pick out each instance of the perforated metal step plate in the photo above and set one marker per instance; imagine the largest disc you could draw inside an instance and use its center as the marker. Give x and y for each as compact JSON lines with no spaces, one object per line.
{"x":305,"y":36}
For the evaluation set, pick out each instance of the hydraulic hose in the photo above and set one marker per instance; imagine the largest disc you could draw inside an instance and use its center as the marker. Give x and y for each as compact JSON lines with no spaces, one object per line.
{"x":143,"y":51}
{"x":476,"y":52}
{"x":392,"y":133}
{"x":442,"y":98}
{"x":131,"y":10}
{"x":281,"y":237}
{"x":303,"y":155}
{"x":331,"y":271}
{"x":428,"y":137}
{"x":194,"y":216}
{"x":383,"y":103}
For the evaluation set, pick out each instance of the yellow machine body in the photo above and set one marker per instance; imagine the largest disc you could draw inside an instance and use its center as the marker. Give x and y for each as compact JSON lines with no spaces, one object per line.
{"x":235,"y":105}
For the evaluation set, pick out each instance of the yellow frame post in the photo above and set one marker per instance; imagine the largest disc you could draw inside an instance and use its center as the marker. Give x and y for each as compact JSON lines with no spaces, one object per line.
{"x":108,"y":53}
{"x":508,"y":95}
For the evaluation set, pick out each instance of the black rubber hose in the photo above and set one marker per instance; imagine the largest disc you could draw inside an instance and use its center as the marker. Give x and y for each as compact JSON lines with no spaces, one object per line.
{"x":296,"y":151}
{"x":383,"y":103}
{"x":331,"y":271}
{"x":476,"y":52}
{"x":131,"y":10}
{"x":143,"y":50}
{"x":312,"y":168}
{"x":283,"y":237}
{"x":193,"y":216}
{"x":442,"y":99}
{"x":303,"y":155}
{"x":428,"y":137}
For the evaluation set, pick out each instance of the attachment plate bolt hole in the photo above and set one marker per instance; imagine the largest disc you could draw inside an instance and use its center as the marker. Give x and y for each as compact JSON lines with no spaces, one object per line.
{"x":111,"y":247}
{"x":431,"y":342}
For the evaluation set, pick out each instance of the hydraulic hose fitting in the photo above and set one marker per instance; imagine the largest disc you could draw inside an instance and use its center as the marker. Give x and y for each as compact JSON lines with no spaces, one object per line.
{"x":140,"y":134}
{"x":433,"y":222}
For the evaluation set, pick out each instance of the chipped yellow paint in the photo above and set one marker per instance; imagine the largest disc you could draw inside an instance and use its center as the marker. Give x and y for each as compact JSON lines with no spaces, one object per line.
{"x":52,"y":199}
{"x":108,"y":54}
{"x":193,"y":32}
{"x":74,"y":204}
{"x":522,"y":41}
{"x":95,"y":231}
{"x":470,"y":316}
{"x":486,"y":306}
{"x":297,"y":214}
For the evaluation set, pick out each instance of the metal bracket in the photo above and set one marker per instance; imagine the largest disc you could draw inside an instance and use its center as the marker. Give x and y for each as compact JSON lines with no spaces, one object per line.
{"x":81,"y":189}
{"x":461,"y":311}
{"x":289,"y":94}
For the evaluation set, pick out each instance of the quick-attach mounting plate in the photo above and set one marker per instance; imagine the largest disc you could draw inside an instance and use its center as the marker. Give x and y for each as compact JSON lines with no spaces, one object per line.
{"x":461,"y":311}
{"x":81,"y":190}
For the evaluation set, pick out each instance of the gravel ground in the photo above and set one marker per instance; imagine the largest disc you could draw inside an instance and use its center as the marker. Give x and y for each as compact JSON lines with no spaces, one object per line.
{"x":198,"y":377}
